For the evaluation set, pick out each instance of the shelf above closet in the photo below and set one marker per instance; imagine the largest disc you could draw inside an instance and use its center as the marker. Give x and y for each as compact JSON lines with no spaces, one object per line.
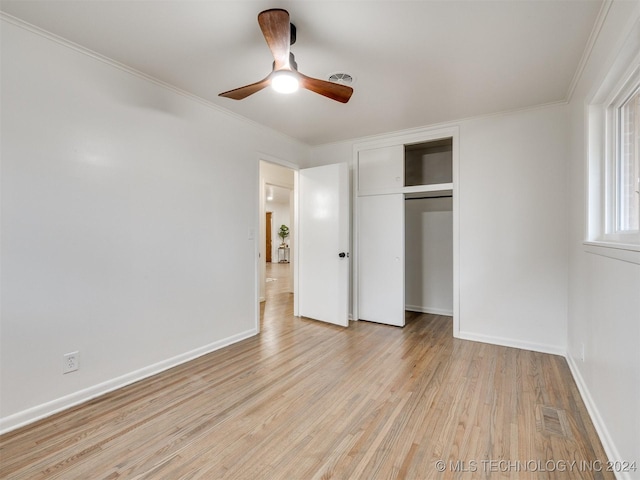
{"x":407,"y":169}
{"x":428,"y":163}
{"x":415,"y":191}
{"x":427,"y":191}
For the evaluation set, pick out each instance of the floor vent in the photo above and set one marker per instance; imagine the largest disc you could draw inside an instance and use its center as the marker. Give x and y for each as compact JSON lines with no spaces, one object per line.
{"x":552,"y":421}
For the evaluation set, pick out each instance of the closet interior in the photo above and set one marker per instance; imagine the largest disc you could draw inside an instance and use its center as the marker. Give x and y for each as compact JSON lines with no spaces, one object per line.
{"x":405,"y":231}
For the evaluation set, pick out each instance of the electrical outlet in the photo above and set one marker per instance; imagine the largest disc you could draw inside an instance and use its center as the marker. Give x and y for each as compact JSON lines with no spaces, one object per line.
{"x":70,"y":362}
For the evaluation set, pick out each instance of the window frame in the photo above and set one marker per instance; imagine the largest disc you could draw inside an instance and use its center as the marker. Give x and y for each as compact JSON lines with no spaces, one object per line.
{"x":613,"y":162}
{"x":603,"y":153}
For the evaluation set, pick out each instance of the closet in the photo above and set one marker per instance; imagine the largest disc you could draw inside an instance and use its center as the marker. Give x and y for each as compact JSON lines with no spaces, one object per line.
{"x":405,"y":230}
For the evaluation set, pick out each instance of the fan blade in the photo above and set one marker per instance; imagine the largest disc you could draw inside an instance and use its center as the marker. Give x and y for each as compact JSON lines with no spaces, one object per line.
{"x":335,"y":91}
{"x":244,"y":92}
{"x":276,"y":29}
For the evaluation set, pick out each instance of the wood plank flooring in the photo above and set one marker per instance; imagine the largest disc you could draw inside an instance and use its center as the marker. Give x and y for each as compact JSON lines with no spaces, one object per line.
{"x":305,"y":400}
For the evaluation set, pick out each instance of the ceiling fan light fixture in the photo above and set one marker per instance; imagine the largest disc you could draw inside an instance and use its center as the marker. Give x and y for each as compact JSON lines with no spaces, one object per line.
{"x":279,"y":33}
{"x":285,"y":81}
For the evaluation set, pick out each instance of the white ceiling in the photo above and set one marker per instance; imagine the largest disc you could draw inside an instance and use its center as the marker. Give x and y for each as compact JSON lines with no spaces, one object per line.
{"x":416,"y":63}
{"x":276,"y":194}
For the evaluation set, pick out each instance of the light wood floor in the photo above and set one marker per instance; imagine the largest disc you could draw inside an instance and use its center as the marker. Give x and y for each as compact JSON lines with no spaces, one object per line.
{"x":304,"y":400}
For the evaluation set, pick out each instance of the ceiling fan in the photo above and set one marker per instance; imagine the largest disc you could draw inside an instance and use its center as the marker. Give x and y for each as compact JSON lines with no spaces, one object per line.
{"x":280,"y":34}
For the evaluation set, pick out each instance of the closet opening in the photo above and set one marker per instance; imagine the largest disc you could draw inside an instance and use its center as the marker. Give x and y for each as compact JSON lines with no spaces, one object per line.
{"x":429,"y":253}
{"x":407,"y":248}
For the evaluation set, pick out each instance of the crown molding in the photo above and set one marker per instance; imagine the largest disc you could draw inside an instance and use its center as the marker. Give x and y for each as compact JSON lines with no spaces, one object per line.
{"x":588,"y":49}
{"x":137,"y":73}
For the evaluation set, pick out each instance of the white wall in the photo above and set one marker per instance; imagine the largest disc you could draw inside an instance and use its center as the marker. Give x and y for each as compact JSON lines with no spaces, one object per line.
{"x":513,"y":226}
{"x":429,"y":255}
{"x":513,"y":229}
{"x":604,"y":293}
{"x":126,"y":212}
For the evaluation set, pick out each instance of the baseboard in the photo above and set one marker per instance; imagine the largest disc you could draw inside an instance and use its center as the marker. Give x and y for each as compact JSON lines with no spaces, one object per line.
{"x":433,"y":311}
{"x":510,"y":342}
{"x":601,"y":427}
{"x":44,"y":410}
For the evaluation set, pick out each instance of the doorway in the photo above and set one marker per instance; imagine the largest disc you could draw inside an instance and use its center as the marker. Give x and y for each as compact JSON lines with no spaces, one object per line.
{"x":319,"y":238}
{"x":277,"y":185}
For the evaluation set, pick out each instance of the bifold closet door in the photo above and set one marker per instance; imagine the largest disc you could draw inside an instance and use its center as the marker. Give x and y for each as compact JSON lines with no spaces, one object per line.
{"x":381,"y":259}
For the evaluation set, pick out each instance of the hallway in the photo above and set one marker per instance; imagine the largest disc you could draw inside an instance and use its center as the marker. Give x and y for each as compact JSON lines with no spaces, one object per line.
{"x":278,"y":302}
{"x":278,"y":279}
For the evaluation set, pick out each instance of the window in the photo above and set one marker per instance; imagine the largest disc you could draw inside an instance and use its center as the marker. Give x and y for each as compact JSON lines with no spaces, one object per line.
{"x":613,"y":219}
{"x":627,"y":166}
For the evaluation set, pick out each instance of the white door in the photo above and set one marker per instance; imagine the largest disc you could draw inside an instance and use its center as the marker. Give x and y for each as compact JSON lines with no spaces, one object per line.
{"x":381,"y":259}
{"x":323,"y":226}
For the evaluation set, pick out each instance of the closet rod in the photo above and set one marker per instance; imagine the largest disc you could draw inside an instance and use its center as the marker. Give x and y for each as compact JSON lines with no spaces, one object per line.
{"x":423,"y":198}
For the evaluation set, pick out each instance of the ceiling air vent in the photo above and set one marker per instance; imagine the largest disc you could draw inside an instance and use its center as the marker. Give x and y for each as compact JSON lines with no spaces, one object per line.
{"x":341,"y":78}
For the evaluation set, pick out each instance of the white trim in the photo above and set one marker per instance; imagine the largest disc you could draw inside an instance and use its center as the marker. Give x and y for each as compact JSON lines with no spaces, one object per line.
{"x":407,"y":137}
{"x":257,"y":248}
{"x":295,"y":253}
{"x":431,"y":310}
{"x":455,"y":191}
{"x":513,"y":343}
{"x":618,"y":251}
{"x":354,"y":236}
{"x":613,"y":158}
{"x":588,"y":49}
{"x":445,"y":124}
{"x":601,"y":427}
{"x":278,"y":161}
{"x":47,"y":409}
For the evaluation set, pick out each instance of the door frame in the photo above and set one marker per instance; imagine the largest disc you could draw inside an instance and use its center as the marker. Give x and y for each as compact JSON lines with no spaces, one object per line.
{"x":416,"y":136}
{"x":260,"y":241}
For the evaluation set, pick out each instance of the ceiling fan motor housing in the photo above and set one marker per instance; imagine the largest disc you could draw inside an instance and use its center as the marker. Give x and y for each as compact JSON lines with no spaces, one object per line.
{"x":293,"y":34}
{"x":292,"y":63}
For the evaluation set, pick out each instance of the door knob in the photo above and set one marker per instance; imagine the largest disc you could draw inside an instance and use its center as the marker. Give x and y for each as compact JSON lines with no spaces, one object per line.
{"x":342,"y":254}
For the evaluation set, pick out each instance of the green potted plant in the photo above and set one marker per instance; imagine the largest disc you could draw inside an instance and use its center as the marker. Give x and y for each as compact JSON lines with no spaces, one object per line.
{"x":283,"y":233}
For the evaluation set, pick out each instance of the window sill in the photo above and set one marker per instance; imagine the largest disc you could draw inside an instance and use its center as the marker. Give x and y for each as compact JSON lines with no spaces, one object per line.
{"x":619,"y":251}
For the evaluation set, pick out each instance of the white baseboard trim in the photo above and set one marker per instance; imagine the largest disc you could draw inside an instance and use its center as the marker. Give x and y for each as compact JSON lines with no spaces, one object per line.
{"x":44,"y":410}
{"x":433,"y":311}
{"x":510,"y":342}
{"x":601,"y":427}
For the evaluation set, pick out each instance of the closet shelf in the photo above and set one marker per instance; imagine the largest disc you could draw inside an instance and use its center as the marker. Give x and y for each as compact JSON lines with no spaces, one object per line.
{"x":420,"y":190}
{"x":436,"y":188}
